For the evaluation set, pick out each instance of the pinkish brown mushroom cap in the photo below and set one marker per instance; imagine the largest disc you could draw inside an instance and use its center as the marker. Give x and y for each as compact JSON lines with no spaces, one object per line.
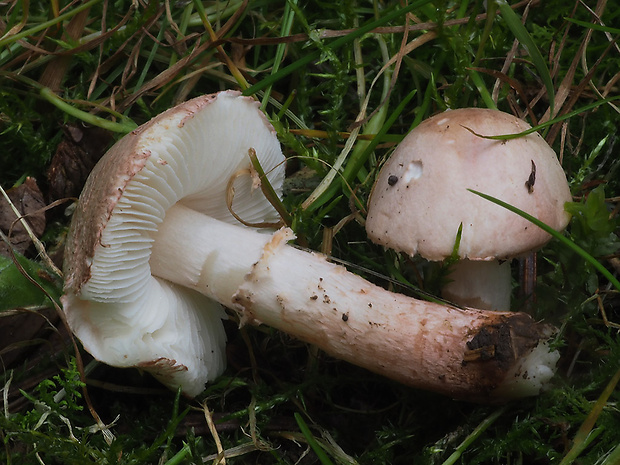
{"x":421,"y":196}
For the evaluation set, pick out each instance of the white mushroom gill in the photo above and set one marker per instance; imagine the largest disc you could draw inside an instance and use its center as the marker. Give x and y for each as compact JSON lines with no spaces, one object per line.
{"x":166,"y":179}
{"x":135,"y":334}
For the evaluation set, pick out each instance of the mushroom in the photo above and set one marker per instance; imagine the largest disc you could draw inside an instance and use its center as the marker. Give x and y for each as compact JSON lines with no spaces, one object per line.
{"x":123,"y":315}
{"x":420,"y":199}
{"x":152,"y":228}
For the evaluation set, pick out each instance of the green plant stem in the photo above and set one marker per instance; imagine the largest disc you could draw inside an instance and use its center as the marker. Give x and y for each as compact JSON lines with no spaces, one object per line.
{"x":586,"y":432}
{"x":125,"y":127}
{"x":488,"y":421}
{"x":318,"y":450}
{"x":559,"y":236}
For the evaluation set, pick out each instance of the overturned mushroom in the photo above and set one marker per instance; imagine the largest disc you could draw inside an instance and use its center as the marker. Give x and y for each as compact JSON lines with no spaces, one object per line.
{"x":177,"y":232}
{"x":124,"y":315}
{"x":435,"y":166}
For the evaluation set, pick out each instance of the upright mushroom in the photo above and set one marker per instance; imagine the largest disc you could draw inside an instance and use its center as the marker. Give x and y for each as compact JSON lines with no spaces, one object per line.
{"x":163,"y":191}
{"x":421,"y":199}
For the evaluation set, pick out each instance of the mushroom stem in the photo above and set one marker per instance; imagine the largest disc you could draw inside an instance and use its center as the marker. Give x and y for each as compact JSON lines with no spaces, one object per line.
{"x":484,"y":284}
{"x":464,"y":353}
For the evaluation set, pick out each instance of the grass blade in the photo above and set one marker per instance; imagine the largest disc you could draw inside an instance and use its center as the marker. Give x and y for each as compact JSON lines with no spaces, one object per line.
{"x":318,"y":450}
{"x":9,"y":39}
{"x":127,"y":125}
{"x":287,"y":25}
{"x":336,"y":44}
{"x":594,"y":27}
{"x":513,"y":21}
{"x":586,"y":432}
{"x":488,"y":421}
{"x":559,"y":236}
{"x":613,"y":458}
{"x":550,"y":122}
{"x":350,"y":170}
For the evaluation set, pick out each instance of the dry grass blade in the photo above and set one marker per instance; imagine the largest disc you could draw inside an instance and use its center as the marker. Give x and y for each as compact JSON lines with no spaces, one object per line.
{"x":521,"y":33}
{"x":221,"y":455}
{"x":516,"y":86}
{"x":581,"y":440}
{"x":19,"y":26}
{"x":55,"y":71}
{"x":575,"y":94}
{"x":9,"y":39}
{"x":600,"y":8}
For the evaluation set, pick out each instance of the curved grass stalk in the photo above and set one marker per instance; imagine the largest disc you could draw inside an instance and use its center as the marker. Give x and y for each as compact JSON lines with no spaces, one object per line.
{"x":312,"y":442}
{"x":488,"y":421}
{"x":126,"y":126}
{"x":586,"y":432}
{"x":551,"y":122}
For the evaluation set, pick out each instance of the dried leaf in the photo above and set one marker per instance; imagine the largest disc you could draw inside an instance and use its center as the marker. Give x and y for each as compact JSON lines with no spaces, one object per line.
{"x":75,"y":157}
{"x":28,"y":200}
{"x":21,"y":331}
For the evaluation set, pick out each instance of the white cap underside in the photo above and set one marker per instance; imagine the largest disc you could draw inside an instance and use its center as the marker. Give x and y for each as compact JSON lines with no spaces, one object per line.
{"x":193,"y":165}
{"x":148,"y":330}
